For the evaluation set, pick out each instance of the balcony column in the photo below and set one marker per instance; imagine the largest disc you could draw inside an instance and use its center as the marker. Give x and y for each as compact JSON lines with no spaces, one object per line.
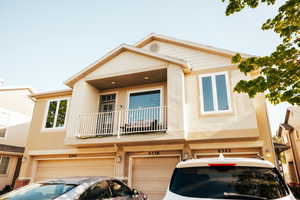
{"x":85,"y":99}
{"x":176,"y":100}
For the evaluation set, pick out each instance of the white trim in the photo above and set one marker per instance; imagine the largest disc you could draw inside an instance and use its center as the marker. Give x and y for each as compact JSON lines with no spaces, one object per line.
{"x":46,"y":110}
{"x":161,"y":91}
{"x":130,"y":165}
{"x":214,"y":92}
{"x":107,"y":93}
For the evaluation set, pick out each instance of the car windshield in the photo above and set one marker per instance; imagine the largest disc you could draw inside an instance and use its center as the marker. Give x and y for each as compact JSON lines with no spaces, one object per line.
{"x":224,"y":182}
{"x":40,"y":191}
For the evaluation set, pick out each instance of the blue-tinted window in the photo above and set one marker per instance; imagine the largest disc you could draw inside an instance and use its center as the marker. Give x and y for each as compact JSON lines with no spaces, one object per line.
{"x":138,"y":104}
{"x":222,"y":92}
{"x":207,"y":91}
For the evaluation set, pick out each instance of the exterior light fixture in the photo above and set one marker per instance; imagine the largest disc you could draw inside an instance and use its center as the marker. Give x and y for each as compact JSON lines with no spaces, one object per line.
{"x":146,"y":78}
{"x":113,"y":82}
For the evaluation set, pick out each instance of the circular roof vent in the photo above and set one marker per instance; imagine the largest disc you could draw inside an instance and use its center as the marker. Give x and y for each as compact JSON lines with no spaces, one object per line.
{"x":154,"y":47}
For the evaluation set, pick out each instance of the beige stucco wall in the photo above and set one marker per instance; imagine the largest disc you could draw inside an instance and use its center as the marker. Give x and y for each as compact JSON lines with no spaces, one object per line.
{"x":17,"y":100}
{"x":16,"y":135}
{"x":196,"y":58}
{"x":39,"y":138}
{"x":7,"y":178}
{"x":126,"y":62}
{"x":241,"y":119}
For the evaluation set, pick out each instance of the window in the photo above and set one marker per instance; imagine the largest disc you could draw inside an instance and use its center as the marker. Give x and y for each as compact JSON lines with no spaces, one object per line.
{"x":2,"y":131}
{"x":119,"y":189}
{"x":215,"y":93}
{"x":40,"y":191}
{"x":4,"y":160}
{"x":56,"y":113}
{"x":99,"y":191}
{"x":228,"y":183}
{"x":140,"y":101}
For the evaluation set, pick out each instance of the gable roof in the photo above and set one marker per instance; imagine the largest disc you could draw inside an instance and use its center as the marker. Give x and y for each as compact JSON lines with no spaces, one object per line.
{"x":189,"y":44}
{"x":3,"y":89}
{"x":124,"y":47}
{"x":49,"y":94}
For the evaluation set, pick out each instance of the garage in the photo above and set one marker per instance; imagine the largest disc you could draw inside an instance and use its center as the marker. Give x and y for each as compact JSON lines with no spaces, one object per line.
{"x":152,"y":174}
{"x":74,"y":167}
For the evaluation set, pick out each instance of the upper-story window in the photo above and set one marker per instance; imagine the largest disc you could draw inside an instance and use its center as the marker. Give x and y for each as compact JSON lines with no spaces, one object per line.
{"x":214,"y":92}
{"x":2,"y":131}
{"x":56,"y":113}
{"x":4,"y":161}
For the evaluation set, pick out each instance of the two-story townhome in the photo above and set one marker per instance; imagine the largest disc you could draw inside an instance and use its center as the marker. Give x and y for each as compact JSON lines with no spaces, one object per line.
{"x":15,"y":116}
{"x":140,"y":109}
{"x":289,"y":132}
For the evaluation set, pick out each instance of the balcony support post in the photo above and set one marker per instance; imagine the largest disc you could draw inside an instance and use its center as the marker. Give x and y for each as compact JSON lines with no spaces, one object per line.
{"x":119,"y":124}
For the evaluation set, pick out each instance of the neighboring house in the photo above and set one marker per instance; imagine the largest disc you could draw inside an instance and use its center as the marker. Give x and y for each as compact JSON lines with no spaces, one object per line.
{"x":289,"y":131}
{"x":139,"y":110}
{"x":15,"y":115}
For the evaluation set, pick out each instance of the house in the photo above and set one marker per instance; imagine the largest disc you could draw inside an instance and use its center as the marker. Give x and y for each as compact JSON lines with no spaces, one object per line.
{"x":289,"y":132}
{"x":142,"y":108}
{"x":15,"y":116}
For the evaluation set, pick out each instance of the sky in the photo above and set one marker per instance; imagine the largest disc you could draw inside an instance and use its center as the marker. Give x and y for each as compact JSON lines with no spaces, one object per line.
{"x":43,"y":43}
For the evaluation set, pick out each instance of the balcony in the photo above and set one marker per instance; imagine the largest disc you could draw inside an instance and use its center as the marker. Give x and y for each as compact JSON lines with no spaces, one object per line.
{"x":122,"y":122}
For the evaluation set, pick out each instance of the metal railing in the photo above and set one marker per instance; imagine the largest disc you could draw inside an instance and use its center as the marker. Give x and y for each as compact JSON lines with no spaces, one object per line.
{"x":122,"y":122}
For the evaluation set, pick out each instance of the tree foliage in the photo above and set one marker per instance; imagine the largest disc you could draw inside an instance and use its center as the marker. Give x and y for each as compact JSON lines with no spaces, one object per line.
{"x":278,"y":73}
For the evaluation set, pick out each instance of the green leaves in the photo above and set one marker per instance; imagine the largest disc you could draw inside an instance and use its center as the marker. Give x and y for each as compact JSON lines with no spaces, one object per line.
{"x":238,"y":5}
{"x":279,"y":72}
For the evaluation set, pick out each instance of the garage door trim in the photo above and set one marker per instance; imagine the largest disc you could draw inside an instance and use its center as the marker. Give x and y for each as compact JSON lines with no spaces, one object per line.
{"x":35,"y":163}
{"x":145,"y":156}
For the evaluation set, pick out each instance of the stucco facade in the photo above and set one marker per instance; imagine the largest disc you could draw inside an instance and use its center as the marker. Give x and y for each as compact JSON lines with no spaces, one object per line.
{"x":142,"y":155}
{"x":289,"y":132}
{"x":15,"y":115}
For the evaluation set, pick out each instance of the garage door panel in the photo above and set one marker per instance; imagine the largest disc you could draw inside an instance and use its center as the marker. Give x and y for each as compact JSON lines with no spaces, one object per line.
{"x":152,"y":174}
{"x":74,"y":167}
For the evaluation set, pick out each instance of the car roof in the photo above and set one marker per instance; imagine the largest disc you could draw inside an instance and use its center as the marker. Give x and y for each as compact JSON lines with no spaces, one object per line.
{"x":247,"y":162}
{"x":76,"y":180}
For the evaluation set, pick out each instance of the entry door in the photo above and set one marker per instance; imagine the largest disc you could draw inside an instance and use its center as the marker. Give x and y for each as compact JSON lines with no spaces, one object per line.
{"x":106,"y":115}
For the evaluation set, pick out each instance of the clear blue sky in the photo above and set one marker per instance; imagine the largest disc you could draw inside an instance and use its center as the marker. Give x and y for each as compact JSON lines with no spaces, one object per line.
{"x":43,"y":43}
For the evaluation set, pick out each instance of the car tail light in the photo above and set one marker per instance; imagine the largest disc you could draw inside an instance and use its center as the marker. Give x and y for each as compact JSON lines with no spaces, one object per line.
{"x":221,"y":164}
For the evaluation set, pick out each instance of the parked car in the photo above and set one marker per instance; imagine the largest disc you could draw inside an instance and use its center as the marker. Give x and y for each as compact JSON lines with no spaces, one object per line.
{"x":227,"y":178}
{"x":76,"y":188}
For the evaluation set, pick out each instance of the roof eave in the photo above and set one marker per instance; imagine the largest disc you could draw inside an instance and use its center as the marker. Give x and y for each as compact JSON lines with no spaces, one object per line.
{"x":154,"y":36}
{"x":124,"y":47}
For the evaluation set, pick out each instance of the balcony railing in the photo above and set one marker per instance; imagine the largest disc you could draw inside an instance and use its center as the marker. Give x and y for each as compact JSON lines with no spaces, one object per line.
{"x":122,"y":122}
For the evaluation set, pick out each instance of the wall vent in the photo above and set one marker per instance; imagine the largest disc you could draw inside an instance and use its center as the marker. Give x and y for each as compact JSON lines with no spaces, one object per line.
{"x":154,"y":47}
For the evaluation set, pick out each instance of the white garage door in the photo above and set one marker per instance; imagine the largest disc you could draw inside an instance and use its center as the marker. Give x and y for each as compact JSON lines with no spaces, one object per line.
{"x":152,"y":174}
{"x":75,"y":167}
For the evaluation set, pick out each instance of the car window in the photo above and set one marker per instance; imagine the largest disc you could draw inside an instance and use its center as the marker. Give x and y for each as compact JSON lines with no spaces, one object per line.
{"x":38,"y":191}
{"x":98,"y":191}
{"x":119,"y":189}
{"x":228,"y":182}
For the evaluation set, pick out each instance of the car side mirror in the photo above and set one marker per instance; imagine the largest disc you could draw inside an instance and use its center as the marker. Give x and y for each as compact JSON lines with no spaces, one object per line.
{"x":135,"y":191}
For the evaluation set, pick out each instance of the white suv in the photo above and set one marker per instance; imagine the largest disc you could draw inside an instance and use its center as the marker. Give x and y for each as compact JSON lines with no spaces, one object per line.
{"x":227,"y":178}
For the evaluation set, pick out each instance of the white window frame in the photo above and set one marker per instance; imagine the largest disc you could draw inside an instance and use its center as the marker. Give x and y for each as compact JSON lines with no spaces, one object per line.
{"x":214,"y":91}
{"x":55,"y":115}
{"x":6,"y":172}
{"x":146,"y":90}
